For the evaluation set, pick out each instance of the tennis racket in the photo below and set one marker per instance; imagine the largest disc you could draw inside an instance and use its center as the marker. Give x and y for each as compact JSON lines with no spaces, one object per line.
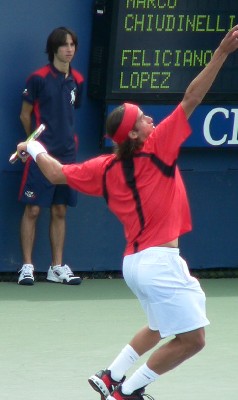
{"x":34,"y":135}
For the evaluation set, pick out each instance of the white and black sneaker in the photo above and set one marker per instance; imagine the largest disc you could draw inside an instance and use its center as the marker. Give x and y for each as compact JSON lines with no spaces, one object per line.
{"x":63,"y":274}
{"x":26,"y":276}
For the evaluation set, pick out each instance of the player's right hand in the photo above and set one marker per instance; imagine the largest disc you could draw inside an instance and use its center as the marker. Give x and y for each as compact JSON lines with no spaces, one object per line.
{"x":22,"y":151}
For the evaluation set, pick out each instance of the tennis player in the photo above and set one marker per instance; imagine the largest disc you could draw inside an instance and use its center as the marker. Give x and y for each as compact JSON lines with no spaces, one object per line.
{"x":142,"y":186}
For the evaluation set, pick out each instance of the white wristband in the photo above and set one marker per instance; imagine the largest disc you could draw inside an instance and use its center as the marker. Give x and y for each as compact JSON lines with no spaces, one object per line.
{"x":34,"y":148}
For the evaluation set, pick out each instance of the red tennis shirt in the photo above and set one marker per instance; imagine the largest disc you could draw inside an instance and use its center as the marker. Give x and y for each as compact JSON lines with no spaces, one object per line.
{"x":146,"y":193}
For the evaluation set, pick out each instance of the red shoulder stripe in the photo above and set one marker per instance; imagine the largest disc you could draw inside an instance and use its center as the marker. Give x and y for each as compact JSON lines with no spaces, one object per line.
{"x":77,"y":76}
{"x":42,"y":71}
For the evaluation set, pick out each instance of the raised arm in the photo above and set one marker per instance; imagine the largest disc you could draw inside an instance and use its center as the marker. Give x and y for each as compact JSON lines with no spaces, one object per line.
{"x":204,"y":80}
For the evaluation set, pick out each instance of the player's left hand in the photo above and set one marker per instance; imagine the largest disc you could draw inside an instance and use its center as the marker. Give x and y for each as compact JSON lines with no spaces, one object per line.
{"x":230,"y":41}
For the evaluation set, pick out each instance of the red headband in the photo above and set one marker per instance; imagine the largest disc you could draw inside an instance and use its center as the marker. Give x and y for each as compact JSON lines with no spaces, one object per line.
{"x":127,"y":123}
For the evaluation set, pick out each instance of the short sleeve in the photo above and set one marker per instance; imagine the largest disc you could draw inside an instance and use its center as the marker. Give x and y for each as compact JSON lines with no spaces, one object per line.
{"x":166,"y":139}
{"x":32,"y":89}
{"x":87,"y":177}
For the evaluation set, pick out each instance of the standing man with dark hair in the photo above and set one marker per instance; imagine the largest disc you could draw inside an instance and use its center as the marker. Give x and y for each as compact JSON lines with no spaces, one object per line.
{"x":143,"y":187}
{"x":51,"y":95}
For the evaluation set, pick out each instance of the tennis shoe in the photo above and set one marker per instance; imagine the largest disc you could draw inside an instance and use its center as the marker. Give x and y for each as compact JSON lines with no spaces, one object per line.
{"x":63,"y":274}
{"x":103,"y":383}
{"x":138,"y":394}
{"x":26,"y":276}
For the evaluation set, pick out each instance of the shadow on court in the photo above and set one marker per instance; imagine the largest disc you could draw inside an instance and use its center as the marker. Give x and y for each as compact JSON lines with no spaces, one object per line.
{"x":54,"y":336}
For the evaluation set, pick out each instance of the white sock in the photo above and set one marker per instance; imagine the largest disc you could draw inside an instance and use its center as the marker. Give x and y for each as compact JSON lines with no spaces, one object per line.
{"x":28,"y":265}
{"x":142,"y":376}
{"x":123,"y":362}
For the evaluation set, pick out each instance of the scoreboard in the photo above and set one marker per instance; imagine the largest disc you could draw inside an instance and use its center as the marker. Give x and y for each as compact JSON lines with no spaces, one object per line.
{"x":150,"y":50}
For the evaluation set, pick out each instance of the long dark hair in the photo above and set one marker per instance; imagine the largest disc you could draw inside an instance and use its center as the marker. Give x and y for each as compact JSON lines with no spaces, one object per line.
{"x":57,"y":38}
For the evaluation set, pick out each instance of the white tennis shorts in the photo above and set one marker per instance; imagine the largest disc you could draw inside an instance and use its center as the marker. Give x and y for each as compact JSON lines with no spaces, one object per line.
{"x":171,"y":298}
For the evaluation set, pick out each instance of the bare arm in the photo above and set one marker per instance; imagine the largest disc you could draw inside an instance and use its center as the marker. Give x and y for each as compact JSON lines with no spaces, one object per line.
{"x":25,"y":116}
{"x":202,"y":83}
{"x":49,"y":166}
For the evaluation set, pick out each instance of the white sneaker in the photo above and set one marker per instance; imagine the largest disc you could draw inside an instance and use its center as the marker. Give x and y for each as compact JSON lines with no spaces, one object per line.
{"x":63,"y":274}
{"x":26,"y":275}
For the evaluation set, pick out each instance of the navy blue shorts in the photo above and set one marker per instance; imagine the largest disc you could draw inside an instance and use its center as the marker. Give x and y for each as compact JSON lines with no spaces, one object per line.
{"x":37,"y":190}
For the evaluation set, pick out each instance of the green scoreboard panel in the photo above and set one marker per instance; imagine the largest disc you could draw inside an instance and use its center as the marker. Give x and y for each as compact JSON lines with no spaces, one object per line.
{"x":154,"y":48}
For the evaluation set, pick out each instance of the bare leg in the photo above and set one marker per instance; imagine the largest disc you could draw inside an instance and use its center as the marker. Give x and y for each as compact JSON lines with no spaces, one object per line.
{"x":57,"y":232}
{"x":27,"y":231}
{"x":179,"y":349}
{"x":172,"y":353}
{"x":145,"y":340}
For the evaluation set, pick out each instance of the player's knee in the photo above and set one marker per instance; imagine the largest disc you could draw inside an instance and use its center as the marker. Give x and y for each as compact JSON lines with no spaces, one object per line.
{"x":192,"y":342}
{"x":32,"y":212}
{"x":58,"y":211}
{"x":198,"y":342}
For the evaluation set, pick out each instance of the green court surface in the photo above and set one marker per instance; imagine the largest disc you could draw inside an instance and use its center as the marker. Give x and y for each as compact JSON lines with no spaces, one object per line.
{"x":53,"y":337}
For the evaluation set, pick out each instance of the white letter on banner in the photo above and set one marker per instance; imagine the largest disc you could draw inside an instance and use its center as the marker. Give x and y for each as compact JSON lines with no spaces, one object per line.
{"x":234,"y":139}
{"x":206,"y":126}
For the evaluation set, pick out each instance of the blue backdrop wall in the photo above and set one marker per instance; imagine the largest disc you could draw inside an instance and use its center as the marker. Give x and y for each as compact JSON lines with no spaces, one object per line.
{"x":94,"y":238}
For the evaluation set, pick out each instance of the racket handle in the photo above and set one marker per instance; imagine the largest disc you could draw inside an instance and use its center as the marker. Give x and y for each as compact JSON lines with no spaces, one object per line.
{"x":34,"y":135}
{"x":14,"y":157}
